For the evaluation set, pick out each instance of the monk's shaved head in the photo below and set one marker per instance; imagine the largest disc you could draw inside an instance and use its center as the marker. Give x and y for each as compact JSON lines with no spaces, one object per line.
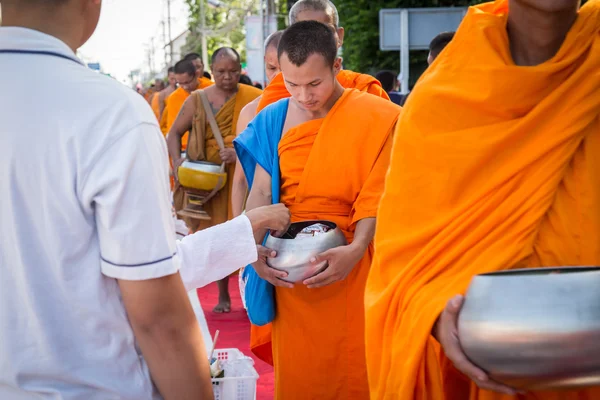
{"x":185,"y":67}
{"x":324,"y":6}
{"x":303,"y":39}
{"x":273,"y":40}
{"x":226,"y":52}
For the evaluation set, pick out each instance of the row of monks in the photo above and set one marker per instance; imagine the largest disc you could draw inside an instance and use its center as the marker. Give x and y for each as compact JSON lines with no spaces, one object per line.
{"x":488,"y":166}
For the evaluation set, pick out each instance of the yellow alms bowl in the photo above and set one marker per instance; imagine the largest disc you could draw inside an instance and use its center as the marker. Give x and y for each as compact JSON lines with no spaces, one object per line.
{"x":201,"y":175}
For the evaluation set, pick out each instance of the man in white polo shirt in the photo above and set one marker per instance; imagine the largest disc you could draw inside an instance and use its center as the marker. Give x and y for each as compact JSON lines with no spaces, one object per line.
{"x":92,"y":305}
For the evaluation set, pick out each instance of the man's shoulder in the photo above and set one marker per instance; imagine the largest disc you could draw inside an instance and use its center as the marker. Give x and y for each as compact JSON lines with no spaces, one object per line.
{"x":368,"y":103}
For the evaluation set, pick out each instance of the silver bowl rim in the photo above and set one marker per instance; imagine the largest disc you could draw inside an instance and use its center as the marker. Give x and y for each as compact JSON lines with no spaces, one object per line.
{"x":542,"y":271}
{"x":334,"y":227}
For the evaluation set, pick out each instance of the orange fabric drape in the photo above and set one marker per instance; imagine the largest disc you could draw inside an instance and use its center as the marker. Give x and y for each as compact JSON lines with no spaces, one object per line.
{"x":494,"y":167}
{"x":348,"y":79}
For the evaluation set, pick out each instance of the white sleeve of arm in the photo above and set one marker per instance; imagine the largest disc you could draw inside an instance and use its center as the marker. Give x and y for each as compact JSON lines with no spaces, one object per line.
{"x":214,"y":253}
{"x":128,"y":187}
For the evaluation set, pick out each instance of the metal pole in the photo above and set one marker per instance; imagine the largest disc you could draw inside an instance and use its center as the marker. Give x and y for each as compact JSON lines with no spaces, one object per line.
{"x":262,"y":41}
{"x":170,"y":37}
{"x":203,"y":30}
{"x":404,"y":51}
{"x":164,"y":36}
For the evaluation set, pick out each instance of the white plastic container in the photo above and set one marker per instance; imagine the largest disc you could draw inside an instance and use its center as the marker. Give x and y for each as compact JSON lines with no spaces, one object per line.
{"x":240,"y":386}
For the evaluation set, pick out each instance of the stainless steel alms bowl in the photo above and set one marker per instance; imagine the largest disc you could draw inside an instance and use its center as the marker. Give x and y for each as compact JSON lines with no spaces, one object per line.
{"x":294,"y":254}
{"x":535,"y":329}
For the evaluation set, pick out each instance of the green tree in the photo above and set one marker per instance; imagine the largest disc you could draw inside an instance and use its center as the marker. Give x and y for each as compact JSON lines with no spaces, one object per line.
{"x":226,"y":22}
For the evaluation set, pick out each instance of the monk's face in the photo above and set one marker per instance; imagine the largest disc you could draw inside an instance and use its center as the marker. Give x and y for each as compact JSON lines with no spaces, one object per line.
{"x":187,"y":82}
{"x":311,"y":84}
{"x":199,"y":67}
{"x":550,"y":6}
{"x":226,"y":70}
{"x":324,"y":18}
{"x":172,"y":80}
{"x":271,"y":63}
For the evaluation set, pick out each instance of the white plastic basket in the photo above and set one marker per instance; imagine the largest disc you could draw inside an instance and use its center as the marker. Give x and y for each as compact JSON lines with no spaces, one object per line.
{"x":242,"y":387}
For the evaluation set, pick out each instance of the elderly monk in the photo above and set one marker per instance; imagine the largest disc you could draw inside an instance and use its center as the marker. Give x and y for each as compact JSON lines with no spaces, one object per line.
{"x":227,"y":98}
{"x":324,"y":154}
{"x":513,"y":182}
{"x":322,"y":11}
{"x":154,"y":100}
{"x":240,"y":186}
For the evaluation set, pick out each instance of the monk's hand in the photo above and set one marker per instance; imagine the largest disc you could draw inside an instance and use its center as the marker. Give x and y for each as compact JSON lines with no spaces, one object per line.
{"x":340,"y":262}
{"x":445,"y":331}
{"x":271,"y":275}
{"x":176,"y":165}
{"x":228,"y":156}
{"x":275,"y":217}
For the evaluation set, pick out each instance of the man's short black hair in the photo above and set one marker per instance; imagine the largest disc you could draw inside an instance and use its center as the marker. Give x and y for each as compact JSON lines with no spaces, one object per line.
{"x":440,"y":42}
{"x":245,"y":80}
{"x":171,"y":70}
{"x":192,"y":57}
{"x":185,"y":67}
{"x":225,"y":51}
{"x":387,"y":79}
{"x":305,"y":38}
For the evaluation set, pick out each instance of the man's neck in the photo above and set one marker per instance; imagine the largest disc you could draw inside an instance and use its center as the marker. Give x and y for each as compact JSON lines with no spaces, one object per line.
{"x":337,"y":93}
{"x":535,"y":35}
{"x":57,"y":24}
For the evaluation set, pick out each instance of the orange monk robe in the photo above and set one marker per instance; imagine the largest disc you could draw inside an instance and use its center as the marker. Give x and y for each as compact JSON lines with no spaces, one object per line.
{"x":155,"y":104}
{"x":175,"y":102}
{"x":260,"y":336}
{"x":348,"y":79}
{"x":331,"y":169}
{"x":203,"y":146}
{"x":494,"y":167}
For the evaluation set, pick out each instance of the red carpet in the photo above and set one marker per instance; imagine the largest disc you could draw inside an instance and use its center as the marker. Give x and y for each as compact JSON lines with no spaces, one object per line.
{"x":234,"y":333}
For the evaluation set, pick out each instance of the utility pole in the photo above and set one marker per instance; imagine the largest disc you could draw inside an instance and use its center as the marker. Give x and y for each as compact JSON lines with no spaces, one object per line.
{"x":164,"y":37}
{"x":203,"y":33}
{"x":169,"y":25}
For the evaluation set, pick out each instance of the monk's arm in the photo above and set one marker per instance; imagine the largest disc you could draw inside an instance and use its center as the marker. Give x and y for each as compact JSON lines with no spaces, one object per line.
{"x":260,"y":195}
{"x":239,"y":187}
{"x":364,"y":234}
{"x":182,"y":124}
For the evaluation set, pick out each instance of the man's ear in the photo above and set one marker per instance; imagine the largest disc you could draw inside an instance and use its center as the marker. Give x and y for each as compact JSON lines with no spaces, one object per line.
{"x":340,"y":34}
{"x":337,"y":65}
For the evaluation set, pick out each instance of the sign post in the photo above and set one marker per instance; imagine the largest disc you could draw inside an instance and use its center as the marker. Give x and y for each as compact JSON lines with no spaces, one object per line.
{"x":405,"y":29}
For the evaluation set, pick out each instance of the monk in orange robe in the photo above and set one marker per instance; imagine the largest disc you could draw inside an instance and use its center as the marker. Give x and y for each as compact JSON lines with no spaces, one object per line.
{"x":323,"y":11}
{"x":159,"y":85}
{"x":186,"y":86}
{"x":162,"y":99}
{"x":495,"y":168}
{"x":227,"y":98}
{"x":333,"y":146}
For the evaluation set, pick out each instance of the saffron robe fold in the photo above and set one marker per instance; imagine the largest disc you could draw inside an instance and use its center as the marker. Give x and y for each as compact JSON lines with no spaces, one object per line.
{"x":495,"y":166}
{"x":331,"y":169}
{"x":203,"y":146}
{"x":276,"y":89}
